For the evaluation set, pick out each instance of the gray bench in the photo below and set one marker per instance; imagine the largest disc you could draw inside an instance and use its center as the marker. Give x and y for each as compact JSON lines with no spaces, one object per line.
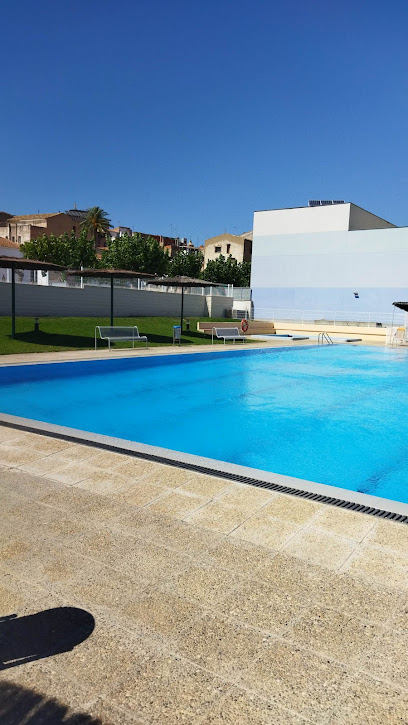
{"x":227,"y":333}
{"x":120,"y":334}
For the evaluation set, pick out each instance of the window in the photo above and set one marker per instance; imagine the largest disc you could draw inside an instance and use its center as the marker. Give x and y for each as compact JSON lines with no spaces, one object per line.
{"x":228,"y":248}
{"x":12,"y":239}
{"x":19,"y":240}
{"x":217,"y":250}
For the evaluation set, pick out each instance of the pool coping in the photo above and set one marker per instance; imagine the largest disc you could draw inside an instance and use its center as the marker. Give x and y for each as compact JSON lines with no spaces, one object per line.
{"x":323,"y":493}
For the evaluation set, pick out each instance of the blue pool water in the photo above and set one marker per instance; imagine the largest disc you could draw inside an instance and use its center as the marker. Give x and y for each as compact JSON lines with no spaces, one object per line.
{"x":330,"y":414}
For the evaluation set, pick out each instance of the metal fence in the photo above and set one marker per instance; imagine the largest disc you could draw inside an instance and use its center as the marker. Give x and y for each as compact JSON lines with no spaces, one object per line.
{"x":318,"y":317}
{"x":56,"y":279}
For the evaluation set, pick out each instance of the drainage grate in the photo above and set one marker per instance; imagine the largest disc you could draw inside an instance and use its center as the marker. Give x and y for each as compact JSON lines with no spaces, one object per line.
{"x":320,"y":498}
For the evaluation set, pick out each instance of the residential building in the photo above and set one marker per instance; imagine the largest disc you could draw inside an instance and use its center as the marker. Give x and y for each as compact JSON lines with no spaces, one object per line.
{"x":23,"y":228}
{"x":12,"y":249}
{"x":119,"y":232}
{"x":329,"y":259}
{"x":238,"y":246}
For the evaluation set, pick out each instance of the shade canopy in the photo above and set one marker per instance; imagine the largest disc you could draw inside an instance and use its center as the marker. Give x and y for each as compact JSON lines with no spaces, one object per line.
{"x":181,"y":282}
{"x":34,"y":264}
{"x":14,"y":263}
{"x":109,"y":274}
{"x":401,"y":305}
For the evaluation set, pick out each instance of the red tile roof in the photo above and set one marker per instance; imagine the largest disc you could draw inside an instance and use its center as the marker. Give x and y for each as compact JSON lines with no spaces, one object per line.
{"x":4,"y":242}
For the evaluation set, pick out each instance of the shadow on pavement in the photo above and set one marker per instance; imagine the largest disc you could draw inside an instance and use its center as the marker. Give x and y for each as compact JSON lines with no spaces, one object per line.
{"x":47,"y":633}
{"x":20,"y":706}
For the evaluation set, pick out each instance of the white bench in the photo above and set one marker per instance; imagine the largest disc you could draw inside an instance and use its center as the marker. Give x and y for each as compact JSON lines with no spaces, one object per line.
{"x":122,"y":334}
{"x":227,"y":333}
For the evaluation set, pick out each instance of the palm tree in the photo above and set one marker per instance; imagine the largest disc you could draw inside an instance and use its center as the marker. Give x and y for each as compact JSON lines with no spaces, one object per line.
{"x":96,"y":222}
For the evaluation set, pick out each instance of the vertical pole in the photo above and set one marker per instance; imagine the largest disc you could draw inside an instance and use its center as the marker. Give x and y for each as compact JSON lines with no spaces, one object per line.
{"x":112,"y":301}
{"x":13,"y":302}
{"x":182,"y":310}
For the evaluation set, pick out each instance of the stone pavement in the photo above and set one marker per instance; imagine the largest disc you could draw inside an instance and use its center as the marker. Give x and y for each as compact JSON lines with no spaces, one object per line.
{"x":214,"y":602}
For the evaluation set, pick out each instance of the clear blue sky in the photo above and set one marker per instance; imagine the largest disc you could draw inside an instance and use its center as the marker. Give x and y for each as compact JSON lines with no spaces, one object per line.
{"x":185,"y":117}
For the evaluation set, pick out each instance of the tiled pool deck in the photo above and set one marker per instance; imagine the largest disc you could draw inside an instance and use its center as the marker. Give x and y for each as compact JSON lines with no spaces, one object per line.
{"x":215,"y":602}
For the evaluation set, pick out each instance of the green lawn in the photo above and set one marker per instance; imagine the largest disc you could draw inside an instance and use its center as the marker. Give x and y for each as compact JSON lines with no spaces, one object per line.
{"x":77,"y":333}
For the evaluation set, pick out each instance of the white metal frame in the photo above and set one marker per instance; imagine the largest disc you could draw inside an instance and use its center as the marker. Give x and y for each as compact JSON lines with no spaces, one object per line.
{"x":228,"y":336}
{"x":123,"y":338}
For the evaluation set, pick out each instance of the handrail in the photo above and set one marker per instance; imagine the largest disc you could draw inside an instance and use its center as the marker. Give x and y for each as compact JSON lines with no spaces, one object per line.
{"x":324,"y":337}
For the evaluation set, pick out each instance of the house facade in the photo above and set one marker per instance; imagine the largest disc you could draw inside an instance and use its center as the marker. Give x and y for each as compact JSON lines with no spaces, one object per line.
{"x":238,"y":246}
{"x":23,"y":228}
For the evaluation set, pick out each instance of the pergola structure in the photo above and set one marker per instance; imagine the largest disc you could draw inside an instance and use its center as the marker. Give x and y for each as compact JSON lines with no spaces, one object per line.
{"x":182,"y":282}
{"x":14,"y":263}
{"x":109,"y":274}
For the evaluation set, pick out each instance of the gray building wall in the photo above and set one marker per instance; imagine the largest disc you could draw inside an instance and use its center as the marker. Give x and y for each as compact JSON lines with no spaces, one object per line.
{"x":36,"y":300}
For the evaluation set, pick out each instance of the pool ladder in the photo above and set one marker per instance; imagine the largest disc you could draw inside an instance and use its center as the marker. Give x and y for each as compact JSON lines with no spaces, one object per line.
{"x":324,"y":337}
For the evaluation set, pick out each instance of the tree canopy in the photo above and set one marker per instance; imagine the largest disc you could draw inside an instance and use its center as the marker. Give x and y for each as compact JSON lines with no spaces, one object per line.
{"x":68,"y":250}
{"x":186,"y":264}
{"x":96,"y":222}
{"x":228,"y":271}
{"x":136,"y":252}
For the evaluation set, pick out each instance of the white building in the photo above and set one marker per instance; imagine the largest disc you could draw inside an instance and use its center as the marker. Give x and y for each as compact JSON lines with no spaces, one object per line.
{"x":327,"y":259}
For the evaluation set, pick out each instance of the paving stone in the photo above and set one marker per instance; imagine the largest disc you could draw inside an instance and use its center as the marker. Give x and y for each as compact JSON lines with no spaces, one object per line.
{"x":10,"y":456}
{"x":219,"y":517}
{"x":291,"y":508}
{"x":296,"y":679}
{"x":266,"y":530}
{"x":321,"y":548}
{"x":344,"y":523}
{"x":220,"y":644}
{"x":105,"y":483}
{"x":387,"y":658}
{"x":162,"y":612}
{"x":142,"y":493}
{"x":391,"y":536}
{"x":47,"y":445}
{"x":177,"y":504}
{"x":249,"y":498}
{"x":170,"y":476}
{"x":73,"y":473}
{"x":366,"y":701}
{"x":335,"y":634}
{"x":29,"y":486}
{"x":242,"y":557}
{"x":166,"y":689}
{"x":75,"y":452}
{"x":206,"y":486}
{"x":205,"y":585}
{"x":240,"y":707}
{"x":260,"y":604}
{"x":388,"y":569}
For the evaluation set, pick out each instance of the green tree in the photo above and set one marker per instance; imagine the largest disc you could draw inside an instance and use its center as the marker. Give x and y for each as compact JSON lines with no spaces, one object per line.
{"x":188,"y":264}
{"x":96,"y":223}
{"x":69,"y":251}
{"x":136,"y":252}
{"x":228,"y":271}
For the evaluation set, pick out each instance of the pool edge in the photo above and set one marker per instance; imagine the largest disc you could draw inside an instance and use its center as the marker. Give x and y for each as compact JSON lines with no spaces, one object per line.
{"x":324,"y":493}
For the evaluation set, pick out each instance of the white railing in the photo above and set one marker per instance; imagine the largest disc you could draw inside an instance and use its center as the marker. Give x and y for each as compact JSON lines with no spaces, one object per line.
{"x":301,"y":317}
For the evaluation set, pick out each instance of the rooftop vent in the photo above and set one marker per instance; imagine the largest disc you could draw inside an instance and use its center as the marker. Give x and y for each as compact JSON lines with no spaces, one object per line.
{"x":324,"y":202}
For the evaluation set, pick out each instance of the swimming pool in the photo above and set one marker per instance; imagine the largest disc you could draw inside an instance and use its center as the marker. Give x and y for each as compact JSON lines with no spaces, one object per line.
{"x":331,"y":414}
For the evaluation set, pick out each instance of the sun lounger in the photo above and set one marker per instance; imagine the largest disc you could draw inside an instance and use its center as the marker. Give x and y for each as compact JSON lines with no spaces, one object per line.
{"x":119,"y":334}
{"x":227,"y":333}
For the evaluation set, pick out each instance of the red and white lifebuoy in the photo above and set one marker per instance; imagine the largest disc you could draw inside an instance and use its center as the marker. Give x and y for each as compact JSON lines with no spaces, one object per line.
{"x":244,"y":325}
